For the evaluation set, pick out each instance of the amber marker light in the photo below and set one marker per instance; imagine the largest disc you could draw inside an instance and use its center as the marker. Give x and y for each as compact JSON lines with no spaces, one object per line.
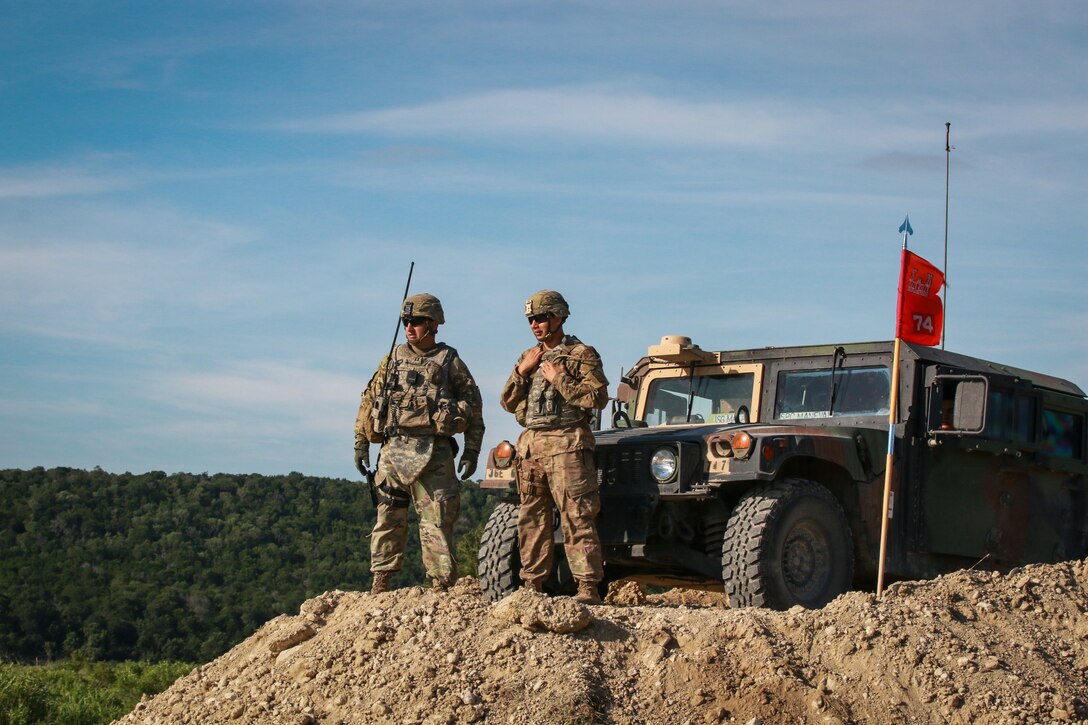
{"x":504,"y":453}
{"x":742,"y":445}
{"x":774,"y":447}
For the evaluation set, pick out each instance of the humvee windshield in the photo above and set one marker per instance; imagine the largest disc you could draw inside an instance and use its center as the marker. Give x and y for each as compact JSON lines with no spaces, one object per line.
{"x":714,"y":398}
{"x":807,"y":393}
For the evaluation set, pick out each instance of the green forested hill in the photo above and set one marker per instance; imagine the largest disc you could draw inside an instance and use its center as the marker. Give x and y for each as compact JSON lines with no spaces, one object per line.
{"x":181,"y":566}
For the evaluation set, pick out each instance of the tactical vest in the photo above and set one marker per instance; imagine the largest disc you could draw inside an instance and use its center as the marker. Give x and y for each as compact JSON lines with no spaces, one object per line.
{"x":544,"y":406}
{"x":420,"y":401}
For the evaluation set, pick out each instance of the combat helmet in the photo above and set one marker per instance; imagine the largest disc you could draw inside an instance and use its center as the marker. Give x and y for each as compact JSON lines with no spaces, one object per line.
{"x":547,"y":300}
{"x":423,"y":305}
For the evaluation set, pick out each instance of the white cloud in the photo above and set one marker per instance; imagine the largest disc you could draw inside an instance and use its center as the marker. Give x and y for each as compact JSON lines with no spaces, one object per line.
{"x":255,"y":396}
{"x":258,"y":385}
{"x":1027,"y":117}
{"x":604,"y":113}
{"x":618,"y":115}
{"x":61,"y":180}
{"x":104,"y":272}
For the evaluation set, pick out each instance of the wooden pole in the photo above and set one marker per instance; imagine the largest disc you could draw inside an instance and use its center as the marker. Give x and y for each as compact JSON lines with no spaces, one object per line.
{"x":893,"y":403}
{"x":889,"y":468}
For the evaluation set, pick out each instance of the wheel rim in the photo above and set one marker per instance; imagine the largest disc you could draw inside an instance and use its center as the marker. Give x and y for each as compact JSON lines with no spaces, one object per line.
{"x":805,"y":562}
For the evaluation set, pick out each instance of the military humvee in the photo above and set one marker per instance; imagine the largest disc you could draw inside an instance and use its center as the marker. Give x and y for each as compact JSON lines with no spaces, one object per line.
{"x":763,"y":470}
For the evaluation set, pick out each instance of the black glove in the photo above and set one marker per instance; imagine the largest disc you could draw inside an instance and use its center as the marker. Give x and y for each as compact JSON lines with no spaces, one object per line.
{"x":362,"y":458}
{"x":467,"y":466}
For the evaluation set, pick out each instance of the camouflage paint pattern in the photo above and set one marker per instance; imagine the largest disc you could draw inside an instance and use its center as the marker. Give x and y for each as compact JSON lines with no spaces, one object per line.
{"x":582,"y":384}
{"x":547,"y":300}
{"x":555,"y":466}
{"x":407,"y":456}
{"x":569,"y":481}
{"x":423,"y":466}
{"x":436,"y":494}
{"x":462,"y":386}
{"x":423,"y":305}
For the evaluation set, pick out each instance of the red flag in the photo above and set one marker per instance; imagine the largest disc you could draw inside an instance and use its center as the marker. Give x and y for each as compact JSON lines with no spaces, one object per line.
{"x":920,"y":316}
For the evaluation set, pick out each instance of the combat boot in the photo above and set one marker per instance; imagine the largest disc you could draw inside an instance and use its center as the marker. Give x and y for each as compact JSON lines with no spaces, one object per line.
{"x":587,"y":593}
{"x":438,"y":585}
{"x":534,"y":585}
{"x":381,"y":582}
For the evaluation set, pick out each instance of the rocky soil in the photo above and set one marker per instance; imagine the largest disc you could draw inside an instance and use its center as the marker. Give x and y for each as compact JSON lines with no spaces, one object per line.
{"x":968,"y":647}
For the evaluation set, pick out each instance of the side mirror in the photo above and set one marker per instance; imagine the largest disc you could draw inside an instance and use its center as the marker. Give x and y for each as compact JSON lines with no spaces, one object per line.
{"x":969,"y":411}
{"x":962,"y":401}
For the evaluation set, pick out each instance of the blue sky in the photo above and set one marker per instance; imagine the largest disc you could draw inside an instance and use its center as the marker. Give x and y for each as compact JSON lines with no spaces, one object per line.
{"x":207,"y":209}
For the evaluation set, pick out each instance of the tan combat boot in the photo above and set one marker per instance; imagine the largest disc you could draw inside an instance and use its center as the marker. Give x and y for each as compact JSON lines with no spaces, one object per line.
{"x":587,"y":593}
{"x":534,"y":585}
{"x":381,"y":582}
{"x":438,"y":585}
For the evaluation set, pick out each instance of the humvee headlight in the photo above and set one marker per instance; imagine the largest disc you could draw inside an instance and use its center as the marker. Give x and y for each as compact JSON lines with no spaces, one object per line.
{"x":504,"y":453}
{"x":663,"y":465}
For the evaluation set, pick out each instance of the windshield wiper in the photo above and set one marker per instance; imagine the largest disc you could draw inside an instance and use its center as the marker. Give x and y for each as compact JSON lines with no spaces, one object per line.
{"x":836,"y":364}
{"x":691,"y":396}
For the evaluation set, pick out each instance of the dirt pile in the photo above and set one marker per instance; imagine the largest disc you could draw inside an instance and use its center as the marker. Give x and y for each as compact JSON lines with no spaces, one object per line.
{"x":968,"y":647}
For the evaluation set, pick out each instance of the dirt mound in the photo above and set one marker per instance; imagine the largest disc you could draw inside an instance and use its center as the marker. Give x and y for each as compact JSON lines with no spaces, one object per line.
{"x":968,"y":647}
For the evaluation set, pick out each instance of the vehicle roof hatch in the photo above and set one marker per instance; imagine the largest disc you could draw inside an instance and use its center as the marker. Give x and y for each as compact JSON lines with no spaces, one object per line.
{"x":680,"y":349}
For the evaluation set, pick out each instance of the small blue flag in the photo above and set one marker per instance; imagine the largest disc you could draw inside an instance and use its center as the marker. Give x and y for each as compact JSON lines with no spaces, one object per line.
{"x":905,"y":226}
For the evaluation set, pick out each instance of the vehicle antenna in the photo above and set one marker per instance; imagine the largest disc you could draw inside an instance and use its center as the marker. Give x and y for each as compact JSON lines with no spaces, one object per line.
{"x":396,"y":331}
{"x":947,"y":158}
{"x":386,"y":382}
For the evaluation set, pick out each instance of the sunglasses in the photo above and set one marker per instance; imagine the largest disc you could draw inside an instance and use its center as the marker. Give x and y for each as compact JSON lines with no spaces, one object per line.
{"x":541,"y":318}
{"x":415,"y":321}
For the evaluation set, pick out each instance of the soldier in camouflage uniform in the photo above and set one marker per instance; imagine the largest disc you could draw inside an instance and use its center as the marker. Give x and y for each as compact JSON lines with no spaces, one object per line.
{"x":413,"y":406}
{"x":552,"y":392}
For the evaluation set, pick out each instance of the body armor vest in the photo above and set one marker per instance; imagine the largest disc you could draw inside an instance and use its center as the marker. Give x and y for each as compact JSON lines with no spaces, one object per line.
{"x":420,"y":401}
{"x":544,"y":406}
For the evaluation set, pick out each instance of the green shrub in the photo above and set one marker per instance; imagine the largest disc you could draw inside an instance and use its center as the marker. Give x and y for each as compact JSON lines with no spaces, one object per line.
{"x":78,"y":692}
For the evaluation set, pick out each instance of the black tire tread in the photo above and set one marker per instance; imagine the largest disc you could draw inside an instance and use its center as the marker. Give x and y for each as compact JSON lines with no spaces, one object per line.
{"x":499,"y":562}
{"x":744,"y":565}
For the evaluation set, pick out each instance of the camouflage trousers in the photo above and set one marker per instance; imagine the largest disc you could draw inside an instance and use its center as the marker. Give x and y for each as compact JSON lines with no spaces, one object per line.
{"x":436,"y":494}
{"x":569,"y":481}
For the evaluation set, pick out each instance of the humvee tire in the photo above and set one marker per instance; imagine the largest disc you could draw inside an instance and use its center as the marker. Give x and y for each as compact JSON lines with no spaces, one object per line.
{"x":499,"y":567}
{"x":787,"y":543}
{"x":499,"y":562}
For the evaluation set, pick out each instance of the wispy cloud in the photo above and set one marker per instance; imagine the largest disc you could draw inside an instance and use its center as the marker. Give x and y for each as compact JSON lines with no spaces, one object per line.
{"x":104,"y":173}
{"x":107,"y":272}
{"x":261,"y":390}
{"x":603,"y":113}
{"x":31,"y":182}
{"x":619,"y":115}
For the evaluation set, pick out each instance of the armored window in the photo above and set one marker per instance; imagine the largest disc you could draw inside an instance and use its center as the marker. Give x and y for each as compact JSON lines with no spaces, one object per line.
{"x":1025,"y":418}
{"x":1010,"y":416}
{"x":1063,"y":434}
{"x":713,"y":398}
{"x":808,"y":393}
{"x":999,"y":415}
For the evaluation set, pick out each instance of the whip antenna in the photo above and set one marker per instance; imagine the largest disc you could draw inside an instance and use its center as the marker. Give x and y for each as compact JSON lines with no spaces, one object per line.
{"x":947,"y":158}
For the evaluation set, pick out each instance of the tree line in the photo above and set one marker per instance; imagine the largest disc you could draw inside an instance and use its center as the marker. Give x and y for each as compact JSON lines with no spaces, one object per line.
{"x":181,"y":567}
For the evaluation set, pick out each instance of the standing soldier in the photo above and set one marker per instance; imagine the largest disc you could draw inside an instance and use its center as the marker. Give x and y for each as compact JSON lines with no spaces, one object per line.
{"x":552,"y":392}
{"x":415,"y":403}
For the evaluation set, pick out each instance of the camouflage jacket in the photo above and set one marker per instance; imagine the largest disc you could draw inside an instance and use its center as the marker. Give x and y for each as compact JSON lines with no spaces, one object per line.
{"x":581,"y":383}
{"x":462,"y":386}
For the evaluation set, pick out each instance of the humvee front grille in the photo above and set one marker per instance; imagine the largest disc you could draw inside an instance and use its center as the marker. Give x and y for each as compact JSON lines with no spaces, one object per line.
{"x":618,"y":465}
